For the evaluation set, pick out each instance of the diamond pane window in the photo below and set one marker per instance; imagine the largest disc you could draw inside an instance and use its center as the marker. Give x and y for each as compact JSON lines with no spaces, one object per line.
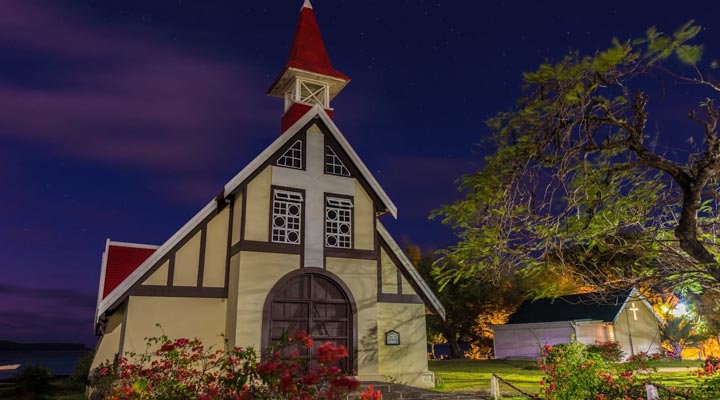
{"x":286,"y":216}
{"x":333,"y":164}
{"x":338,"y":222}
{"x":292,"y":158}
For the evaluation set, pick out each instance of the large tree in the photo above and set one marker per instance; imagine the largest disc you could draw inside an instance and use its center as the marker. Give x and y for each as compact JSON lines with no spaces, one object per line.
{"x":470,"y":305}
{"x":580,"y":180}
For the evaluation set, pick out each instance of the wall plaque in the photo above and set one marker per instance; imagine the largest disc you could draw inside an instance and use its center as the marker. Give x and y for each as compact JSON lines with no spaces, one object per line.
{"x":392,"y":338}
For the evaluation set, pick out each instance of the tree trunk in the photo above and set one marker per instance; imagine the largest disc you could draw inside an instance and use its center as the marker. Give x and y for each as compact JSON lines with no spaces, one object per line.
{"x":677,"y":350}
{"x":455,"y":351}
{"x":686,"y":231}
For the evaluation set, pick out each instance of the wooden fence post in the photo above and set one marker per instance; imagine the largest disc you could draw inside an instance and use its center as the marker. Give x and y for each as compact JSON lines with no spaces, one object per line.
{"x":494,"y":388}
{"x":652,"y":392}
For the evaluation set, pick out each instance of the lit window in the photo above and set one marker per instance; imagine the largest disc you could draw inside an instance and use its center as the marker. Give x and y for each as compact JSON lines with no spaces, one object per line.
{"x":292,"y":158}
{"x":333,"y":164}
{"x":286,"y":216}
{"x":338,"y":222}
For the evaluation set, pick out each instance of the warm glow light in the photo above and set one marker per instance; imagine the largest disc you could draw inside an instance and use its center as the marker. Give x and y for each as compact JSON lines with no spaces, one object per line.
{"x":679,"y":310}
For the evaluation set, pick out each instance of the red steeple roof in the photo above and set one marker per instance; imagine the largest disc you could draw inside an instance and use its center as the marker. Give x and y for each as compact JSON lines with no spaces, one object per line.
{"x":308,"y":49}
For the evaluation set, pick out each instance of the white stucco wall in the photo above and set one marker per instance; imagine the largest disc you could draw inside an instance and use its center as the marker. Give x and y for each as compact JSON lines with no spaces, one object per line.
{"x":525,"y":341}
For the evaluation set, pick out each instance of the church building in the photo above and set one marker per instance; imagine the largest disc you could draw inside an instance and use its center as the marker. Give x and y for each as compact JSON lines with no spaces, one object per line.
{"x":626,"y":318}
{"x":294,"y":241}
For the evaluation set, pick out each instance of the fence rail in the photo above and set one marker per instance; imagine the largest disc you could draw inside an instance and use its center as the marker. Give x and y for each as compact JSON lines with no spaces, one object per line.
{"x":495,"y":388}
{"x":651,"y":390}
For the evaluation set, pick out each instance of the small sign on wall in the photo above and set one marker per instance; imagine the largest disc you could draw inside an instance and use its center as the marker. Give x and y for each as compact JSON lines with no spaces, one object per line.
{"x":392,"y":338}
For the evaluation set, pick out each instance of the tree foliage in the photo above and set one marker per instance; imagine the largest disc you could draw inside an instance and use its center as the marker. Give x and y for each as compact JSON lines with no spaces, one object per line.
{"x":680,"y":332}
{"x":578,"y":183}
{"x":470,"y":305}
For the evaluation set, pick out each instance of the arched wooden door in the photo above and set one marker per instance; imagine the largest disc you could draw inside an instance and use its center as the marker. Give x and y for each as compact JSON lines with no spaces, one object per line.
{"x":314,"y":302}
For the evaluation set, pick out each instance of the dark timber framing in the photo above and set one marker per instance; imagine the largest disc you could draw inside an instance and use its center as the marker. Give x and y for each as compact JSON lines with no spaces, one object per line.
{"x":121,"y":345}
{"x":201,"y":261}
{"x":231,"y":218}
{"x":171,"y":269}
{"x":398,"y":296}
{"x":243,"y":214}
{"x":265,"y":247}
{"x":179,"y":291}
{"x":138,"y":289}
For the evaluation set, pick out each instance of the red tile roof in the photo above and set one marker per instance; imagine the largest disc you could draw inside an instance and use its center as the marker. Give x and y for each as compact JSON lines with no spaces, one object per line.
{"x":122,"y":259}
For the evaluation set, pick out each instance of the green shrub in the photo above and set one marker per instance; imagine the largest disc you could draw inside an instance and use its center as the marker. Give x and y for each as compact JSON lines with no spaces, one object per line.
{"x":34,"y":378}
{"x":80,"y":376}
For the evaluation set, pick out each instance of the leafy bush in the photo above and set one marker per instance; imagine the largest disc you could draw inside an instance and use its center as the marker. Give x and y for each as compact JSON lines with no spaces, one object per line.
{"x":81,"y":373}
{"x":610,"y":351}
{"x":34,"y":378}
{"x":573,"y":372}
{"x":709,"y":376}
{"x":183,"y":369}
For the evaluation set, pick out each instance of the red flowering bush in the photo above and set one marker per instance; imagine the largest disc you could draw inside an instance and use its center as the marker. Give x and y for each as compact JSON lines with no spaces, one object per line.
{"x":709,"y":377}
{"x":573,"y":372}
{"x":610,"y":351}
{"x":184,"y":369}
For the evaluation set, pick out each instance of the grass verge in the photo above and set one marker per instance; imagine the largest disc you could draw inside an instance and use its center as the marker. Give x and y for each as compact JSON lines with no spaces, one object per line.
{"x":472,"y":375}
{"x":57,"y":389}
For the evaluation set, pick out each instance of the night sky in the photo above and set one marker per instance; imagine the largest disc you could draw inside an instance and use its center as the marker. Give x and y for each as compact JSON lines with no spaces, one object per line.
{"x":122,"y":118}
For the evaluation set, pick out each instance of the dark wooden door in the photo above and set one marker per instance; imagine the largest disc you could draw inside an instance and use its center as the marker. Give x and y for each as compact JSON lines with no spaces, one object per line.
{"x":314,"y":304}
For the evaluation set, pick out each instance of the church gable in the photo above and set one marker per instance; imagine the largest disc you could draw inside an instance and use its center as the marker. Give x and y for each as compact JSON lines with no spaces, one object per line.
{"x":340,"y":214}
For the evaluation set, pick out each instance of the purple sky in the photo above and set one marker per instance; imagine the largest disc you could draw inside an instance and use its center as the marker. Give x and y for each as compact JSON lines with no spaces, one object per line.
{"x":122,"y":118}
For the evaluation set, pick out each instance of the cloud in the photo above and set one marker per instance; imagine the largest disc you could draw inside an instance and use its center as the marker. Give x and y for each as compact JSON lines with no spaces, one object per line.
{"x":26,"y":326}
{"x":59,"y":297}
{"x":31,"y":314}
{"x":119,"y":96}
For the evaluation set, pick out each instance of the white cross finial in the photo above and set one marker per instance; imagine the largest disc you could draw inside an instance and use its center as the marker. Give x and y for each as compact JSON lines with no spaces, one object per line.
{"x":634,"y":309}
{"x":307,"y":4}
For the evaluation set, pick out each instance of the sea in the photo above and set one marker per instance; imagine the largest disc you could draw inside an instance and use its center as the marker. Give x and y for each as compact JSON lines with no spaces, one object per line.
{"x":60,"y":362}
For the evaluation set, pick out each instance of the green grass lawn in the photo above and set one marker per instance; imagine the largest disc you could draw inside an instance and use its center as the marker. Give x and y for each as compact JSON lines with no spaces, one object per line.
{"x":58,"y":389}
{"x":471,"y":375}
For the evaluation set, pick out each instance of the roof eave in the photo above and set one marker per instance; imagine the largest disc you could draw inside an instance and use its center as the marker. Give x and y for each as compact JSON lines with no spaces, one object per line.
{"x":389,"y":205}
{"x":427,"y":294}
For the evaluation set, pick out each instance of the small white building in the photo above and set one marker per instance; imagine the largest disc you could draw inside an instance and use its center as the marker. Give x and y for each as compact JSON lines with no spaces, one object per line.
{"x":626,"y":318}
